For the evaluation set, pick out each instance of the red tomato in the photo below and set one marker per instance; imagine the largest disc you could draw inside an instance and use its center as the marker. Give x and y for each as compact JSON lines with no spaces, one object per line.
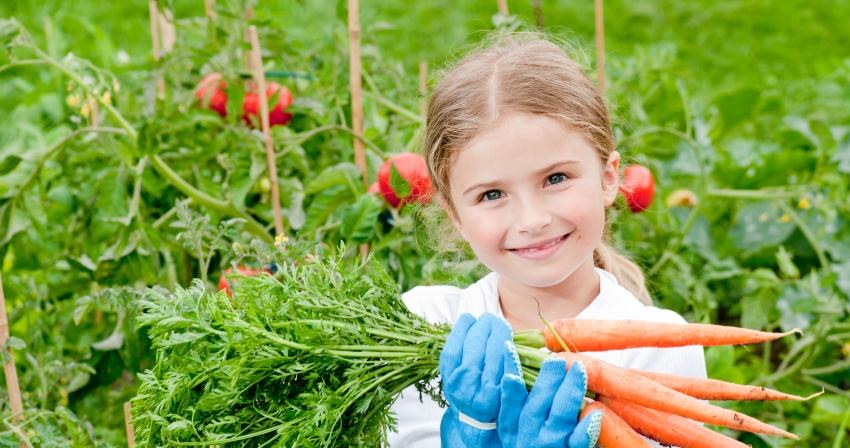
{"x":638,"y":187}
{"x":414,"y":170}
{"x":251,"y":105}
{"x":217,"y":98}
{"x":223,"y":283}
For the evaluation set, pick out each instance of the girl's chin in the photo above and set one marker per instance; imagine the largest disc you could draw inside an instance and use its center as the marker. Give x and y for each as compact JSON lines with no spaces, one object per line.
{"x":537,"y":279}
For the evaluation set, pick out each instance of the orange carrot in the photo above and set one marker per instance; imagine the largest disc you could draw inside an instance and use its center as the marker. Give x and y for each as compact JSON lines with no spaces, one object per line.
{"x":709,"y":389}
{"x":667,"y":428}
{"x":586,"y":335}
{"x":624,"y":384}
{"x":615,"y":433}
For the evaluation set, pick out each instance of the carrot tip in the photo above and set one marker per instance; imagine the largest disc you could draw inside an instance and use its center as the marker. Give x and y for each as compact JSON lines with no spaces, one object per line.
{"x":793,"y":330}
{"x":816,"y":394}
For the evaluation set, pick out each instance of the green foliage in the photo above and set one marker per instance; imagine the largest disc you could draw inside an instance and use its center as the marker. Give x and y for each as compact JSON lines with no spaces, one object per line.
{"x":729,"y":101}
{"x":311,"y":357}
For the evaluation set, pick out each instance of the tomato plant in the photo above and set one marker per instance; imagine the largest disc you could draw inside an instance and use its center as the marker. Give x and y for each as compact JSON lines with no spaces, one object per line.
{"x":108,"y":187}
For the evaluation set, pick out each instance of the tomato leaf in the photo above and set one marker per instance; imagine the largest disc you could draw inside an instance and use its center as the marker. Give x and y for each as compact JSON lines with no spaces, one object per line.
{"x":359,"y":221}
{"x":760,"y":224}
{"x":345,"y":173}
{"x":9,"y":163}
{"x":324,"y":204}
{"x":398,"y":184}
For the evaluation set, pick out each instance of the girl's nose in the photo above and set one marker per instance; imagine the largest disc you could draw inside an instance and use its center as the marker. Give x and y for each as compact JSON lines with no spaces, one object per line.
{"x":532,"y":217}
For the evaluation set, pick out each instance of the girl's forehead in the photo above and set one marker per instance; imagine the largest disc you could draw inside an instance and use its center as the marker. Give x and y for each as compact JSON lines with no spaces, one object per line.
{"x":520,"y":143}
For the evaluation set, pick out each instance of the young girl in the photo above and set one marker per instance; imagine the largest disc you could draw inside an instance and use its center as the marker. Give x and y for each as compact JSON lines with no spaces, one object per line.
{"x":520,"y":150}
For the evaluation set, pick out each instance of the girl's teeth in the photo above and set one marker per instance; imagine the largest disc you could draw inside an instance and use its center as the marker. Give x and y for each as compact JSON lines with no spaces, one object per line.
{"x":545,"y":246}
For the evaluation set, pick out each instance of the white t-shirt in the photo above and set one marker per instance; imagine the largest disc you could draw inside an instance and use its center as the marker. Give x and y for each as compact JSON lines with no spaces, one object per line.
{"x":419,"y":421}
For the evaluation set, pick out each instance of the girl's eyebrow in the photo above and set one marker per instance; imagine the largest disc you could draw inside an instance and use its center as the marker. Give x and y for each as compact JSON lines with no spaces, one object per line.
{"x":481,"y":185}
{"x":538,"y":172}
{"x":555,"y":165}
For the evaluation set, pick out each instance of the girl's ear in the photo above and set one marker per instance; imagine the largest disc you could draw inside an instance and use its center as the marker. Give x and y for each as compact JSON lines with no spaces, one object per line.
{"x":611,"y":178}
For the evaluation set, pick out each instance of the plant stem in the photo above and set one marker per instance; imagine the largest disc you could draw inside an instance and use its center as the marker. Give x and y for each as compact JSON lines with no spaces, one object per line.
{"x":530,"y":338}
{"x":21,"y":63}
{"x":680,"y":238}
{"x":842,"y":430}
{"x":131,"y":131}
{"x":393,"y":106}
{"x":306,"y":135}
{"x":778,"y":193}
{"x":832,"y":368}
{"x":377,"y":96}
{"x":807,"y":232}
{"x":206,"y":200}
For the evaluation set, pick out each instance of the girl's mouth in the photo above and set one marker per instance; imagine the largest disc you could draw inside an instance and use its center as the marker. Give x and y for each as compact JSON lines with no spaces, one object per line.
{"x":540,"y":250}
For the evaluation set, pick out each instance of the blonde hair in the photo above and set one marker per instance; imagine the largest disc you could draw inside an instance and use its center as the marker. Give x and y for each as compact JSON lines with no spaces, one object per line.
{"x":521,"y":73}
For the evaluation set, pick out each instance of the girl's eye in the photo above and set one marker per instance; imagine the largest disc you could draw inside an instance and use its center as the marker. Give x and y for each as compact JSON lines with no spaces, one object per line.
{"x":556,"y":178}
{"x":490,"y":195}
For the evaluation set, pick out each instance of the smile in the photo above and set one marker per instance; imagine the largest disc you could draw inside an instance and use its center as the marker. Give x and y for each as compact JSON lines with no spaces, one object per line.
{"x":540,"y":250}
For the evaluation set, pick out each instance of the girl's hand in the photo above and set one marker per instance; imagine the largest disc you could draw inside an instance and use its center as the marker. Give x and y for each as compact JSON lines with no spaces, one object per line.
{"x":472,"y":366}
{"x":548,"y":416}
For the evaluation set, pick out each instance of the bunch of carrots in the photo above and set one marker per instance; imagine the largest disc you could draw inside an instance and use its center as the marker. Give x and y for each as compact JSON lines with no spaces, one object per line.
{"x":663,"y":407}
{"x":316,"y":354}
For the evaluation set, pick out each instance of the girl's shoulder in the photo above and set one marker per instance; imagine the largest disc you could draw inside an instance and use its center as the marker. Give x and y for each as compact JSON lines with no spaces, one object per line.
{"x":444,"y":303}
{"x":616,"y":302}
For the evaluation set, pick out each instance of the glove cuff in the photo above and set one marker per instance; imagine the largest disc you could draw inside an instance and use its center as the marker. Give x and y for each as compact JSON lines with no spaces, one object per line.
{"x":475,"y":423}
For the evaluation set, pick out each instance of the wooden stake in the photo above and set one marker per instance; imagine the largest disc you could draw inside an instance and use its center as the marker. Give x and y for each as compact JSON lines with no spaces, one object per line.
{"x":538,"y":14}
{"x":503,"y":7}
{"x":249,"y":15}
{"x":209,"y":7}
{"x":95,"y":113}
{"x":356,"y":85}
{"x":356,"y":94}
{"x":167,"y":33}
{"x":423,"y":89}
{"x":600,"y":47}
{"x":12,"y":386}
{"x":155,"y":40}
{"x":128,"y":425}
{"x":260,"y":79}
{"x":154,"y":16}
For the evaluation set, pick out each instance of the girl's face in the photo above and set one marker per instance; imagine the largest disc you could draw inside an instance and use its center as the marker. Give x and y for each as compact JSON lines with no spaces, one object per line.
{"x":530,"y":197}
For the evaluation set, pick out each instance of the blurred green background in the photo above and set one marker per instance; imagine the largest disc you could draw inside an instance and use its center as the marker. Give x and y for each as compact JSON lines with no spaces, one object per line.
{"x":746,"y":103}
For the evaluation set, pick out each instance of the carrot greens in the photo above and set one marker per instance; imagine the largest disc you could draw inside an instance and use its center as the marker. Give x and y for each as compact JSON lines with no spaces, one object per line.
{"x":314,"y":356}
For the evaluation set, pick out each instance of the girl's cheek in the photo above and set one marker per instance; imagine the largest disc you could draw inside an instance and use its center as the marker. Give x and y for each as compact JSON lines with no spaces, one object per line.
{"x":486,"y":227}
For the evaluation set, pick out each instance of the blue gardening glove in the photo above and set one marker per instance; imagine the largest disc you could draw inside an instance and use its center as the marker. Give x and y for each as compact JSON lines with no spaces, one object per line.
{"x":471,"y":367}
{"x":547,"y":417}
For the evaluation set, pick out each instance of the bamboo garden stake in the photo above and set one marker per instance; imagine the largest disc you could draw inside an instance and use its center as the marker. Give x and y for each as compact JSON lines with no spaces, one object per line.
{"x":249,"y":15}
{"x":154,"y":16}
{"x":423,"y":89}
{"x":12,"y":387}
{"x":209,"y":8}
{"x":538,"y":14}
{"x":356,"y":94}
{"x":128,"y":426}
{"x":600,"y":47}
{"x":260,"y":79}
{"x":167,"y":33}
{"x":503,"y":7}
